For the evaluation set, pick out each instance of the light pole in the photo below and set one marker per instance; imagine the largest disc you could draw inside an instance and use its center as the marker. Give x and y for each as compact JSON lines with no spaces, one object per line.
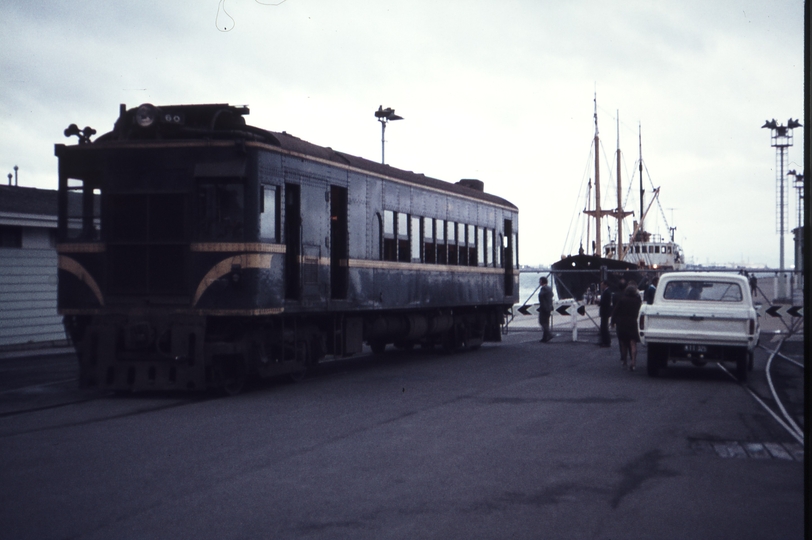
{"x":384,"y":116}
{"x":781,"y":140}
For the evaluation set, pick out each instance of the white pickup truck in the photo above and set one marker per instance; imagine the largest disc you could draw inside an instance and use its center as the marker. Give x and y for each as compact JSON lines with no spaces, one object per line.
{"x":700,"y":317}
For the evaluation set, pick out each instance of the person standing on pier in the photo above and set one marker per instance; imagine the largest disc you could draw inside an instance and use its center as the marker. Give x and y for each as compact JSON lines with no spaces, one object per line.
{"x":545,"y":309}
{"x":624,"y":317}
{"x":605,"y":312}
{"x":651,"y":290}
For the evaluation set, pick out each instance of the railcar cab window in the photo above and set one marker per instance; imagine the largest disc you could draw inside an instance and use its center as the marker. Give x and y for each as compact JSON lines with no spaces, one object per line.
{"x":441,"y":246}
{"x":269,"y":213}
{"x":428,"y":241}
{"x":83,"y":211}
{"x":221,"y":209}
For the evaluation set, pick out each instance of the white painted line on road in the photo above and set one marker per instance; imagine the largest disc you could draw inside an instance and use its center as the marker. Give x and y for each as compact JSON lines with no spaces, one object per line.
{"x":778,"y":451}
{"x":766,"y":408}
{"x":729,"y":450}
{"x":756,"y":450}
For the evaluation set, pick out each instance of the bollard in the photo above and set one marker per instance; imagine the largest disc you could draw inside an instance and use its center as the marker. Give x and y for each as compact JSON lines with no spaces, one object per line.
{"x":574,"y":321}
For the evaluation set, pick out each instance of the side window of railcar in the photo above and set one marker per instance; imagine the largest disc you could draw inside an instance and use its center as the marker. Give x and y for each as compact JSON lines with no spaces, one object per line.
{"x":440,"y":237}
{"x":404,"y":253}
{"x":452,"y":243}
{"x":472,"y":260}
{"x":428,"y":241}
{"x":268,"y":224}
{"x":221,"y":210}
{"x":414,"y":238}
{"x":490,"y":240}
{"x":83,"y":211}
{"x":482,"y":254}
{"x":515,"y":250}
{"x":390,"y":251}
{"x":463,"y":246}
{"x":500,"y":247}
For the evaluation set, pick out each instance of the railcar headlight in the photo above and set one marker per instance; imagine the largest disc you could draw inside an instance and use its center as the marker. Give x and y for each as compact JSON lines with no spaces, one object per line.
{"x":146,"y":115}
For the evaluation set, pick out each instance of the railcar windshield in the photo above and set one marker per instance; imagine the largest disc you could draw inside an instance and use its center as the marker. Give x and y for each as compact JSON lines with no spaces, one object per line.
{"x":221,"y":210}
{"x":705,"y":291}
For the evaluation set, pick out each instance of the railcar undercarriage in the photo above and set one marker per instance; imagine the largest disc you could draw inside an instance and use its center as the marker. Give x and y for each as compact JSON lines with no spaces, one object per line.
{"x":142,"y":350}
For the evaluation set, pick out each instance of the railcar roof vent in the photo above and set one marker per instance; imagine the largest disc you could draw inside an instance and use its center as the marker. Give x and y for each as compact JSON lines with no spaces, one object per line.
{"x":472,"y":183}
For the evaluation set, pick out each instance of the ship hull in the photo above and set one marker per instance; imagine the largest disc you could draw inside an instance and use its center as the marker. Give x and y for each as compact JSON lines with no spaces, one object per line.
{"x":577,"y":274}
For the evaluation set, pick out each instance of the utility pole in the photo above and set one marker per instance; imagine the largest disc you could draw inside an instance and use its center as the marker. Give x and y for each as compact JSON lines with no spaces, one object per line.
{"x":384,"y":116}
{"x":781,"y":139}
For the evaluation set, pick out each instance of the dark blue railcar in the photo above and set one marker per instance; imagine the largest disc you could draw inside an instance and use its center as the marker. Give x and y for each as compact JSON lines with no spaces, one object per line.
{"x":196,"y":250}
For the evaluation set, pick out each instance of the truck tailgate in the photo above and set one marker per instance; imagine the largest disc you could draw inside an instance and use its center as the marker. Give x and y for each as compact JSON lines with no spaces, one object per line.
{"x":724,"y":326}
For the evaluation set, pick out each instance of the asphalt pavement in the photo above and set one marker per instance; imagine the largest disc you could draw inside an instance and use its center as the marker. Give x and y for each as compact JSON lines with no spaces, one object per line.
{"x":516,"y":440}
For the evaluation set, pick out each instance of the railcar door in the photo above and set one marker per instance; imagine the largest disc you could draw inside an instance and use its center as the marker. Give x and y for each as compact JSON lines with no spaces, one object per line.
{"x":339,"y":250}
{"x":508,"y":257}
{"x":293,"y":241}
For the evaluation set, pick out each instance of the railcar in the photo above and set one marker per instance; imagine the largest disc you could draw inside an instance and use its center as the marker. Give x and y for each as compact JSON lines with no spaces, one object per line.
{"x":196,"y":250}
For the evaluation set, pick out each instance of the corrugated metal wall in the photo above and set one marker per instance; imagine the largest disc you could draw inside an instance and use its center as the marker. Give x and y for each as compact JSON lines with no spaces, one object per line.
{"x":28,"y":297}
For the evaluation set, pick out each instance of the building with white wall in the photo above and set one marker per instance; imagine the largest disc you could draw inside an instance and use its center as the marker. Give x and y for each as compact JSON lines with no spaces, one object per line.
{"x":28,"y":268}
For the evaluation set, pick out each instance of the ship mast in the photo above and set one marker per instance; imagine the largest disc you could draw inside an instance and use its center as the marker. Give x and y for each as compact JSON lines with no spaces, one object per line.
{"x":618,"y":212}
{"x":597,"y":213}
{"x":642,"y":192}
{"x":597,"y":185}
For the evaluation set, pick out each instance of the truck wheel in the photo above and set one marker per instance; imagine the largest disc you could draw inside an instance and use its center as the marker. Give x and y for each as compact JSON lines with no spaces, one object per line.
{"x":654,"y":359}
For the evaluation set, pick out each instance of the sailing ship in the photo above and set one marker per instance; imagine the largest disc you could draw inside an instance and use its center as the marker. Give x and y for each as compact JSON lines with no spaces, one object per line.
{"x":638,"y":260}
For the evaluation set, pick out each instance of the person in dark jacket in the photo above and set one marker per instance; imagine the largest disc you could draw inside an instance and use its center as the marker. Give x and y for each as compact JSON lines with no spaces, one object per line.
{"x":651,"y":290}
{"x":605,"y":312}
{"x":624,"y":318}
{"x":545,"y":309}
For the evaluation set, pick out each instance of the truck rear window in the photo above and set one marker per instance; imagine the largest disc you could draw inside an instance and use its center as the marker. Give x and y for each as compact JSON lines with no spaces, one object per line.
{"x":706,"y":291}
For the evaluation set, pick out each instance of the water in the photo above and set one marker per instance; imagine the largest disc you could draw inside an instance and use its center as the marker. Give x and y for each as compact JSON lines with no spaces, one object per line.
{"x":528,"y":281}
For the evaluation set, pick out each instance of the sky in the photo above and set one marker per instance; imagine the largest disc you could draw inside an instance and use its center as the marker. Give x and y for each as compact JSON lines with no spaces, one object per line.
{"x":502,"y":91}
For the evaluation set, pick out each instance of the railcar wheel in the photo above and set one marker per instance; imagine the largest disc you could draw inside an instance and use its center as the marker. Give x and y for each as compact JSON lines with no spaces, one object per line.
{"x":378,"y":347}
{"x":297,"y":376}
{"x":233,"y":374}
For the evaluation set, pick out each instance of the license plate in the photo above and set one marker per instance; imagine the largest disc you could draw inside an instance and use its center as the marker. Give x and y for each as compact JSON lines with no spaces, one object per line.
{"x":695,"y":349}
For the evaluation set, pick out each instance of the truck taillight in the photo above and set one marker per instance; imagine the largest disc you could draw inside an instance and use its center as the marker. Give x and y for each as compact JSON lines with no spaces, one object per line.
{"x":752,"y":326}
{"x":643,"y":322}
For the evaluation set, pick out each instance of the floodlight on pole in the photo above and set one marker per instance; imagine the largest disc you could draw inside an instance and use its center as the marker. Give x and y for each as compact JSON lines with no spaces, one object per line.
{"x":781,"y":139}
{"x":384,"y":116}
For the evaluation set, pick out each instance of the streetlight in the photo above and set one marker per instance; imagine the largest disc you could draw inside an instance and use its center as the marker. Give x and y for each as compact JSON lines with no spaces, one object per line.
{"x":383,"y":116}
{"x":781,"y":140}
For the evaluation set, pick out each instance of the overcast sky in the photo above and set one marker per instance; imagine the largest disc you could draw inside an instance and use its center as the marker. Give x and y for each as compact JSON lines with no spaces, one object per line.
{"x":497,"y":90}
